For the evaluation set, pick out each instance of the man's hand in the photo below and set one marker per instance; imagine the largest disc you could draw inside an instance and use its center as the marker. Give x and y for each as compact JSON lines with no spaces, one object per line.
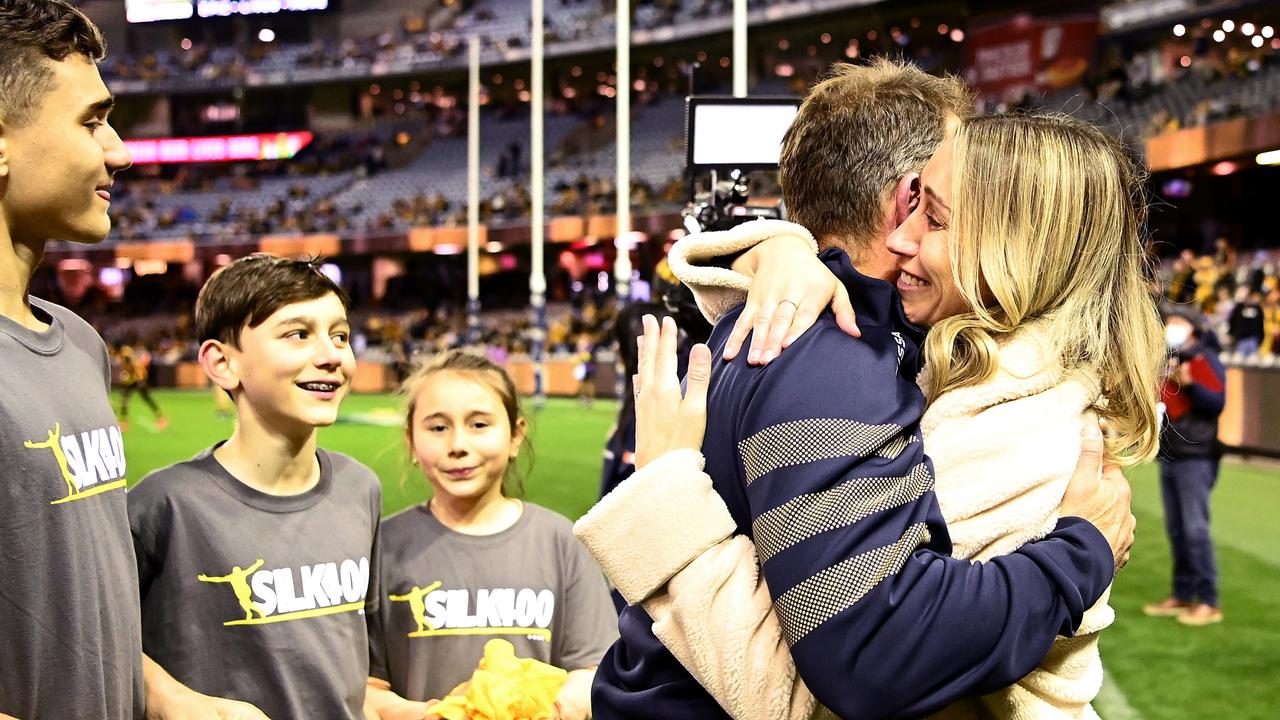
{"x":790,"y":287}
{"x":1102,"y":498}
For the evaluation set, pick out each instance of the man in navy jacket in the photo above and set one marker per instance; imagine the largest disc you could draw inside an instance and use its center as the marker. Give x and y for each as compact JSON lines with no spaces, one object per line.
{"x":820,"y":461}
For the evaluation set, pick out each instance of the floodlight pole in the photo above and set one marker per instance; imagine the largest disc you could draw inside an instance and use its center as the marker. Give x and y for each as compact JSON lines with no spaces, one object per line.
{"x":739,"y":48}
{"x":622,"y":180}
{"x":537,"y":223}
{"x":473,"y":193}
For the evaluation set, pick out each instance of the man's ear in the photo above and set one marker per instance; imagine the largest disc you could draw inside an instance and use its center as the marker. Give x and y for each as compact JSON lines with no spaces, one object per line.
{"x":4,"y":153}
{"x":906,"y":197}
{"x":219,"y":363}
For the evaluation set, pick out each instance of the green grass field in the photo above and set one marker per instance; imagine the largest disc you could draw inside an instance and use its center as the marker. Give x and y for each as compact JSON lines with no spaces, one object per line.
{"x":1156,"y":668}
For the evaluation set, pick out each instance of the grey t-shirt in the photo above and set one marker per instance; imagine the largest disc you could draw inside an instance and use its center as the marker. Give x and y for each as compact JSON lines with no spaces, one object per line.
{"x":69,"y":638}
{"x":258,"y":597}
{"x":445,"y":594}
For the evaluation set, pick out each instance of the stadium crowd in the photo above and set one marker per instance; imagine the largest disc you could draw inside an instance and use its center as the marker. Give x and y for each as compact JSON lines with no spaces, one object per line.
{"x":1239,"y":297}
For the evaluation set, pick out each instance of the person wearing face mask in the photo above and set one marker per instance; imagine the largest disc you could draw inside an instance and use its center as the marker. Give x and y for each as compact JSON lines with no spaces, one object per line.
{"x":1193,"y":397}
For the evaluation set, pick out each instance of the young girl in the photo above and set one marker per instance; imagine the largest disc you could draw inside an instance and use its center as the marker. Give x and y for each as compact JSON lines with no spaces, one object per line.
{"x":475,"y":563}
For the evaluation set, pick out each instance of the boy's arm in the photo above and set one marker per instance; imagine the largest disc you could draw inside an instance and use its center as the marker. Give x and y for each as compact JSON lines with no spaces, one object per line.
{"x":148,"y":524}
{"x":168,"y":699}
{"x":880,"y":620}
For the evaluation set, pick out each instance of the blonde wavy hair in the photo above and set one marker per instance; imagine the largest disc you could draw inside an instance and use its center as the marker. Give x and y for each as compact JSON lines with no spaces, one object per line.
{"x":1047,"y":227}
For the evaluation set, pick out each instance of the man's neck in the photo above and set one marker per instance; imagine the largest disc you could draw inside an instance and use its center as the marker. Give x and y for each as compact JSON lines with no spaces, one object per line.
{"x":269,"y":461}
{"x":846,"y":245}
{"x":18,"y":261}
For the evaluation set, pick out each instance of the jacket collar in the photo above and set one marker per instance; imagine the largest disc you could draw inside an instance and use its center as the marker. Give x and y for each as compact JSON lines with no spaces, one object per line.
{"x":876,"y":302}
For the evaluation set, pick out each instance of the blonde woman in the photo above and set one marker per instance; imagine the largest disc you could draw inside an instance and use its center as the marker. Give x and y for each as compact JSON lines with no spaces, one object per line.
{"x":1024,"y":257}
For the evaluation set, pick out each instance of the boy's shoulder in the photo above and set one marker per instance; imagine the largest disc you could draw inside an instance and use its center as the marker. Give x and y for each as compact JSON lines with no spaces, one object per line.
{"x":351,"y":472}
{"x":76,"y":327}
{"x":173,"y":480}
{"x":63,"y":314}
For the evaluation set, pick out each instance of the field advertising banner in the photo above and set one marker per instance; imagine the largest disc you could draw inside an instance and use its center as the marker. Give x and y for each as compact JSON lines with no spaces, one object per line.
{"x":1024,"y":54}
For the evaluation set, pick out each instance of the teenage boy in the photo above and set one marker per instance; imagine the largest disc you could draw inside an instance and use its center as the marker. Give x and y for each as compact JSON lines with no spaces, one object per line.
{"x":258,"y":558}
{"x":69,"y":635}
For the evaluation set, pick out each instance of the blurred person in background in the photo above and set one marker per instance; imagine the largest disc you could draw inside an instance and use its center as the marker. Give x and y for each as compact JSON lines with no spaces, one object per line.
{"x":1224,"y":254}
{"x":1193,"y":398}
{"x":620,"y":448}
{"x":584,"y":369}
{"x":1271,"y":324}
{"x":135,"y":371}
{"x":1246,"y":324}
{"x":1182,"y":285}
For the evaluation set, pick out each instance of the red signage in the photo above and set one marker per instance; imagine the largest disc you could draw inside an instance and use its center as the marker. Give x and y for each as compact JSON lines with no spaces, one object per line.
{"x":1026,"y":54}
{"x":218,"y":148}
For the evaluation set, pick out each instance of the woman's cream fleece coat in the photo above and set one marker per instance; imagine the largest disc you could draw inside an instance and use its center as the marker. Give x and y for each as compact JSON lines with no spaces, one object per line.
{"x":1003,"y":453}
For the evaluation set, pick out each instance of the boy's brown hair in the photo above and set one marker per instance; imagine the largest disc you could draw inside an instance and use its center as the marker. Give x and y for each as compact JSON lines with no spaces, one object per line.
{"x":32,"y":32}
{"x":247,"y":292}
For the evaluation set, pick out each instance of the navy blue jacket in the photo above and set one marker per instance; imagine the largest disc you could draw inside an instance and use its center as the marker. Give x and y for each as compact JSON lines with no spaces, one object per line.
{"x":819,"y":457}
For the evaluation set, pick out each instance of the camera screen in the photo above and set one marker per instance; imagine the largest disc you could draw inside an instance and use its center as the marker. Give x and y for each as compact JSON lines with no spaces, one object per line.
{"x":742,"y":134}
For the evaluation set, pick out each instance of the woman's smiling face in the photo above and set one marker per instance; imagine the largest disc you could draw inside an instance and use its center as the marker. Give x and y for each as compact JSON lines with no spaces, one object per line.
{"x":922,"y":244}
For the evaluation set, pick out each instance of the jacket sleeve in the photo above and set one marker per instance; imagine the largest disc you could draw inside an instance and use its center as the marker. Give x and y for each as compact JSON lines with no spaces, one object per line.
{"x":654,"y":523}
{"x":709,"y":605}
{"x":718,"y":290}
{"x":1206,"y":388}
{"x":880,"y":620}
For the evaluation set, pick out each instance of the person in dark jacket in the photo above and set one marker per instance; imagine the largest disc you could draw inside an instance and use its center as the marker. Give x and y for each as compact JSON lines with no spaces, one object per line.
{"x":1246,"y":324}
{"x":620,"y":448}
{"x":1193,"y":397}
